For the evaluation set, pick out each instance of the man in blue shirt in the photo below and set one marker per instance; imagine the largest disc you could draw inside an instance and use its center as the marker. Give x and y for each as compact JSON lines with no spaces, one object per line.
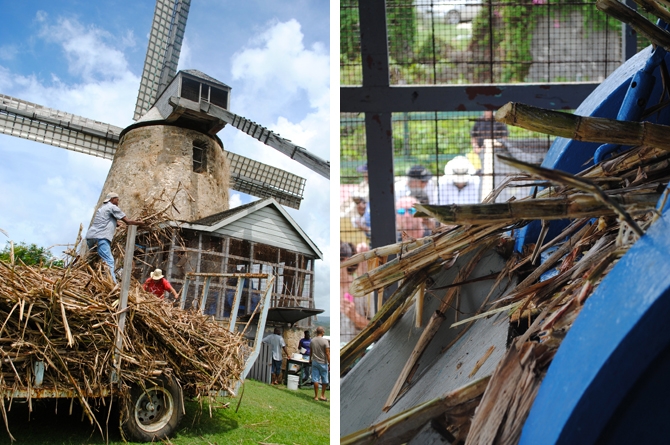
{"x":103,"y":227}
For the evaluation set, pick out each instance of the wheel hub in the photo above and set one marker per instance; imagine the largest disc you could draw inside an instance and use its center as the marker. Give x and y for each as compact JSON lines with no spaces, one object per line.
{"x":151,"y":409}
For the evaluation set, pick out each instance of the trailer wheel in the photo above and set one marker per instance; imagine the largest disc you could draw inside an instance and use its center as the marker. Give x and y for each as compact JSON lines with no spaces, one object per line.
{"x":153,"y":413}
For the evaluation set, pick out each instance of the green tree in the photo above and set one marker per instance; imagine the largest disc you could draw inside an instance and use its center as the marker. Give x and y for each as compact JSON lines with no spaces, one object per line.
{"x":350,"y":42}
{"x":401,"y":24}
{"x":30,"y":254}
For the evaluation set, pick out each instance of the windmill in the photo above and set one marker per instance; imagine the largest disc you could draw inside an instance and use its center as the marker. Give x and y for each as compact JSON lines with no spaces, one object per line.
{"x":173,"y":142}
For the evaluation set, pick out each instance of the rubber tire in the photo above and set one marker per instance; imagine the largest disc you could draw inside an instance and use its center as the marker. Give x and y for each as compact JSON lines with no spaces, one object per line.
{"x":146,"y":425}
{"x":453,"y":17}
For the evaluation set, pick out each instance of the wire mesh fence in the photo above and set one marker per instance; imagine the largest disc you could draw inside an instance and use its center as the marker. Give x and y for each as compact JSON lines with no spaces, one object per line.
{"x":486,"y":41}
{"x":449,"y":157}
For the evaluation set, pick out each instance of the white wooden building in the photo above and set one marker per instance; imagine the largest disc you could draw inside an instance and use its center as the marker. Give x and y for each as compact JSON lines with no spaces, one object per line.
{"x":259,"y":237}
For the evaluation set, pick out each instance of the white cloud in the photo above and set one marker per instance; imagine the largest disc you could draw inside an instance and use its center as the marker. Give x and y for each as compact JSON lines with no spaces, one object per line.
{"x":184,"y":56}
{"x":235,"y":200}
{"x":8,"y":52}
{"x":277,"y":65}
{"x":87,"y":49}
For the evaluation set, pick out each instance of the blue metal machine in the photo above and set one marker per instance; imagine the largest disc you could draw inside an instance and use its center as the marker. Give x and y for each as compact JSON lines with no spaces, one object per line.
{"x":606,"y":383}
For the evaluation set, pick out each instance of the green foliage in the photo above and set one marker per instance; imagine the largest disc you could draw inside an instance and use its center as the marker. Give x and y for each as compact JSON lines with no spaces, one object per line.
{"x":503,"y":31}
{"x":350,"y":45}
{"x":401,"y":24}
{"x":30,"y":254}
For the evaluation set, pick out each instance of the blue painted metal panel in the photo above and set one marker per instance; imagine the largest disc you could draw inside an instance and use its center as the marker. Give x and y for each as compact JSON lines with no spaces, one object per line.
{"x":617,"y":336}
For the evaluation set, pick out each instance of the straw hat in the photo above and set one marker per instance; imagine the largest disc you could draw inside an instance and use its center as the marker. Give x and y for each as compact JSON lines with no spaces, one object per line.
{"x":157,"y":274}
{"x":110,"y":195}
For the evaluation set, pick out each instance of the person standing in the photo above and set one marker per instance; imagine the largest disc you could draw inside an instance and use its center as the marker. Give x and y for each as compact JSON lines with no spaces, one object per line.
{"x":304,"y":344}
{"x":303,"y":348}
{"x":418,"y":184}
{"x":157,"y":285}
{"x":101,"y":231}
{"x":277,"y":344}
{"x":459,"y":185}
{"x":485,"y":127}
{"x":319,"y":359}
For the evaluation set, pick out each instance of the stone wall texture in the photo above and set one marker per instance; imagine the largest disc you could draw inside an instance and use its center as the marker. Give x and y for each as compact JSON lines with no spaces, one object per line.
{"x":157,"y":162}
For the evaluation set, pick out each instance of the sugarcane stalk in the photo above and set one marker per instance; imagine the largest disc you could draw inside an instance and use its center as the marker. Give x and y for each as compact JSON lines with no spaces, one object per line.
{"x":639,"y":23}
{"x":396,"y":429}
{"x":385,"y":251}
{"x":418,"y":308}
{"x":445,"y":246}
{"x":582,"y":184}
{"x":573,"y":206}
{"x":582,"y":128}
{"x":654,"y":8}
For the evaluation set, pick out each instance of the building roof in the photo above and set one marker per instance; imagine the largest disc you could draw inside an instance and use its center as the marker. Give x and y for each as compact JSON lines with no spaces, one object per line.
{"x":251,"y":225}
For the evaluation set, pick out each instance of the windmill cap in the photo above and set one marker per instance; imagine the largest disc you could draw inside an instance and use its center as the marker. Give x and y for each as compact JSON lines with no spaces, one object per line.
{"x":110,"y":196}
{"x":157,"y":274}
{"x":419,"y":172}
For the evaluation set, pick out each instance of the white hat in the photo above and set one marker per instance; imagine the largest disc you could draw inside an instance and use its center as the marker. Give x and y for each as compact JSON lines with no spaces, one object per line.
{"x":460,"y":169}
{"x":157,"y":274}
{"x":110,"y":196}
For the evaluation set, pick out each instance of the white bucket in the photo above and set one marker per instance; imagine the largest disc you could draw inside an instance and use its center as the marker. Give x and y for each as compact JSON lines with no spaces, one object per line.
{"x":292,"y":382}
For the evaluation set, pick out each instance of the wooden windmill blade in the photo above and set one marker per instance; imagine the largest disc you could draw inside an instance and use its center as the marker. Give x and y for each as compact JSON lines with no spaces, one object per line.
{"x":257,"y":131}
{"x":34,"y":122}
{"x":262,"y":180}
{"x":162,"y":58}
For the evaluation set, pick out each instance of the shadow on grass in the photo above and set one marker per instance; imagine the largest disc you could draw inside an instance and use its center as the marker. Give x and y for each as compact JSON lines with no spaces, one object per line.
{"x":197,"y":420}
{"x":303,"y":393}
{"x":51,"y":423}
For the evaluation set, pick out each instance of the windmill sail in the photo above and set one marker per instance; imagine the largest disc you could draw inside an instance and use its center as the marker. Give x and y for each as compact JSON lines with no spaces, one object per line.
{"x":160,"y":64}
{"x":295,"y":152}
{"x":34,"y":122}
{"x":27,"y":120}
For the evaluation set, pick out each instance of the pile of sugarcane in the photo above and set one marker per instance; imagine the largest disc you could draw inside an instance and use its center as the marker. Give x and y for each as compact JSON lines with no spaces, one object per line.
{"x":67,"y":318}
{"x":611,"y":205}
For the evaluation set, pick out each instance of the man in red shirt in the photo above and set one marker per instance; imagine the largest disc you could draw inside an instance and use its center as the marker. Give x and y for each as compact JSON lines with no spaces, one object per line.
{"x":157,"y":285}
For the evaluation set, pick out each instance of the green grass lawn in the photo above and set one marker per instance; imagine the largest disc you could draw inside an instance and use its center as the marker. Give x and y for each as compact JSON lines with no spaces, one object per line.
{"x":267,"y":414}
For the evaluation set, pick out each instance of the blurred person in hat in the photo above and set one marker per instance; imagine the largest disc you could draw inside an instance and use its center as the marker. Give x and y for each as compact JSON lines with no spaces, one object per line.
{"x":459,"y":185}
{"x":157,"y":285}
{"x":101,"y":231}
{"x":418,"y":184}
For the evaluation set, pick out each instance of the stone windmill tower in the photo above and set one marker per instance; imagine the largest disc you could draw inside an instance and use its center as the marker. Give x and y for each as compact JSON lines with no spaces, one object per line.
{"x":173,"y":144}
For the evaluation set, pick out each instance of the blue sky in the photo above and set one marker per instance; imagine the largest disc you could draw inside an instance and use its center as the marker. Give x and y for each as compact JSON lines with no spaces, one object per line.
{"x":85,"y":57}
